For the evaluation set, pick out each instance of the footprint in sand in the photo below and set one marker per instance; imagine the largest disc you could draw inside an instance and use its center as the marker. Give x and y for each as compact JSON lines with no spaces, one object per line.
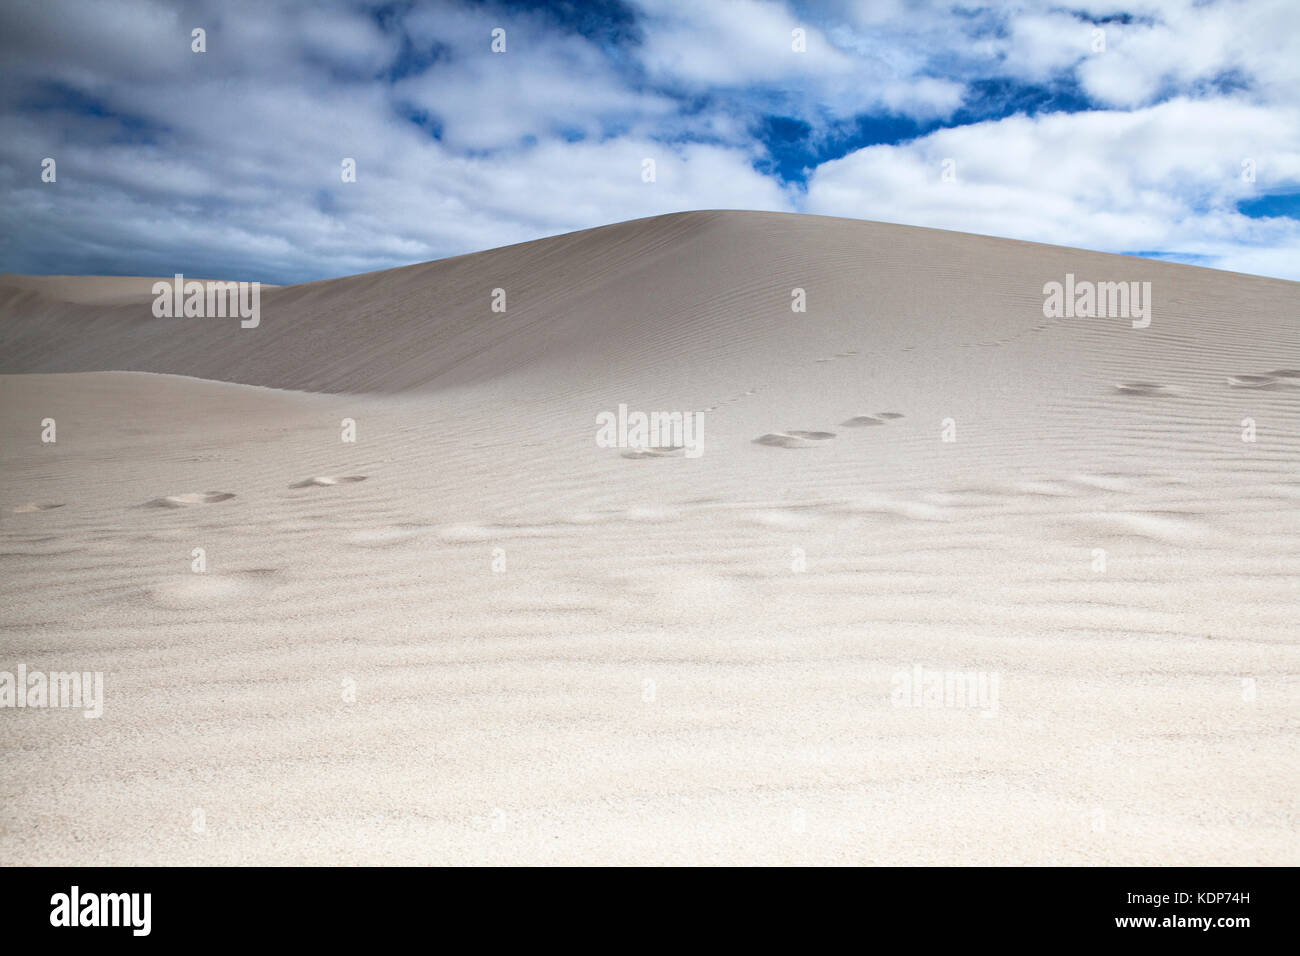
{"x":793,"y":439}
{"x":325,"y":481}
{"x":34,"y":506}
{"x":1143,"y":388}
{"x":190,"y":498}
{"x":1252,"y":381}
{"x":672,"y":451}
{"x":863,"y":421}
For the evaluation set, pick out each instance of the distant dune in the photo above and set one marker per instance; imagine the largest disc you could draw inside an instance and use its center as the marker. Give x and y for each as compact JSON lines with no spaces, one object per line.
{"x":697,"y":288}
{"x":474,"y":634}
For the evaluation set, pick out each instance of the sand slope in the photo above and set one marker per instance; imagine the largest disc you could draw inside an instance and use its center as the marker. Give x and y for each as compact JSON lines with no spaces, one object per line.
{"x":646,"y":677}
{"x":683,"y":298}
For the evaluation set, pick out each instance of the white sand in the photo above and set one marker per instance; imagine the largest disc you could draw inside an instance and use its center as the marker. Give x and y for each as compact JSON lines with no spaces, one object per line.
{"x":648,"y":680}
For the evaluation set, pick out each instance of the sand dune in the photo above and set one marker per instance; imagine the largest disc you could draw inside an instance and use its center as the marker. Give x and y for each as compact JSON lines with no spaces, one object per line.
{"x":510,"y":644}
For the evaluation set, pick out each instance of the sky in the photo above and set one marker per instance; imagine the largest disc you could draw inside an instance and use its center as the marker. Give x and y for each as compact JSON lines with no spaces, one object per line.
{"x":1165,"y":128}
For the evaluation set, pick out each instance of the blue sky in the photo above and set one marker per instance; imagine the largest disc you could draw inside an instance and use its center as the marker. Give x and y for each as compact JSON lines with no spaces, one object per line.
{"x":1167,"y":128}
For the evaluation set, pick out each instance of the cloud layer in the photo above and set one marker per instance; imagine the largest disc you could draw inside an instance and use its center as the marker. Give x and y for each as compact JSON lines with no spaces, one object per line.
{"x":1167,"y":128}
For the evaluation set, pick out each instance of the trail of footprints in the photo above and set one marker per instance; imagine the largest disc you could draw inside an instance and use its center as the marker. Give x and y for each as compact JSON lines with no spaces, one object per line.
{"x":1277,"y":379}
{"x":795,"y":438}
{"x":192,"y":498}
{"x":196,"y":591}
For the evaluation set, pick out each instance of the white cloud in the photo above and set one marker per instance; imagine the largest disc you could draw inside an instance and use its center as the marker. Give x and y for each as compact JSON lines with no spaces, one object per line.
{"x":748,"y":45}
{"x":734,"y":44}
{"x":230,"y":160}
{"x":1144,"y":180}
